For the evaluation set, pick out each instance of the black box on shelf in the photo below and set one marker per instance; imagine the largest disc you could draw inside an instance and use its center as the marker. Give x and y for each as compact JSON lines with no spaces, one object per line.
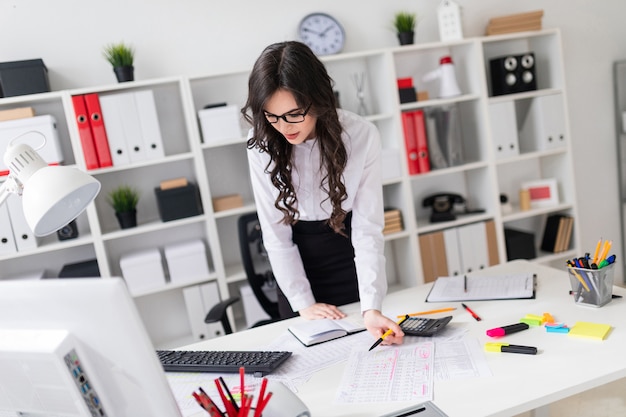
{"x":179,"y":202}
{"x":18,"y":78}
{"x":407,"y":95}
{"x":519,"y":244}
{"x":80,"y":270}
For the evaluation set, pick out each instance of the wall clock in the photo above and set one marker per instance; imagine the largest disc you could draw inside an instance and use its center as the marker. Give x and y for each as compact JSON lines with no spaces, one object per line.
{"x":322,"y":33}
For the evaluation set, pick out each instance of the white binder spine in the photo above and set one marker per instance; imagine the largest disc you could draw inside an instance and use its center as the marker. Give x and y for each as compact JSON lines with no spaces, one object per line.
{"x":149,"y":122}
{"x":23,"y":235}
{"x":7,"y":240}
{"x":115,"y":129}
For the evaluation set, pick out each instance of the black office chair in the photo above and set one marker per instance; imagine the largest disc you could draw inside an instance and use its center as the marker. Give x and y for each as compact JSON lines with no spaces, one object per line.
{"x":258,"y":272}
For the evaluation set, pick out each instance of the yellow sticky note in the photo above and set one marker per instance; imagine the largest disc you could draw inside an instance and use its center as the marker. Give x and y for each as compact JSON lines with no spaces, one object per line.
{"x":596,"y":331}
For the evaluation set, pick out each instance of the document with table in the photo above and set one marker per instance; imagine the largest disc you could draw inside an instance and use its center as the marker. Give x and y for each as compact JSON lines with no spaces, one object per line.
{"x":478,"y":287}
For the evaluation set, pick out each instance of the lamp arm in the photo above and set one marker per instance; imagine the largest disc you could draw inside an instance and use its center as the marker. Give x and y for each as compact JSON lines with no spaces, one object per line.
{"x":10,"y":186}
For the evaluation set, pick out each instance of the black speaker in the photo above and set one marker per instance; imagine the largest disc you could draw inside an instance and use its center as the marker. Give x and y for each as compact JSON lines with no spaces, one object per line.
{"x":513,"y":74}
{"x":69,"y":231}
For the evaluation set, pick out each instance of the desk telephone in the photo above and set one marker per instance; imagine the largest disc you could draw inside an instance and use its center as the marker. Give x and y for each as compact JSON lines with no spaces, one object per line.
{"x":443,"y":206}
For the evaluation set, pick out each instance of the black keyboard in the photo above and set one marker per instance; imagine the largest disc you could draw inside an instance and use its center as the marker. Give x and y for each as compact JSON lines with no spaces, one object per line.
{"x":257,"y":362}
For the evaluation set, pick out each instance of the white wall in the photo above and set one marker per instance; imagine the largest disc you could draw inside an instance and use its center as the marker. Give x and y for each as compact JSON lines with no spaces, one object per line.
{"x":200,"y":37}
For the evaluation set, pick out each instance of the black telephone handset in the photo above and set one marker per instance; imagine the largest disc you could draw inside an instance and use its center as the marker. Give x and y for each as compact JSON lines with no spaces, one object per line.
{"x":442,"y":206}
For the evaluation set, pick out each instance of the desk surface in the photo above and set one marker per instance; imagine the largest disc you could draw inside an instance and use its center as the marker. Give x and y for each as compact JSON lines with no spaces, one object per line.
{"x":563,"y":367}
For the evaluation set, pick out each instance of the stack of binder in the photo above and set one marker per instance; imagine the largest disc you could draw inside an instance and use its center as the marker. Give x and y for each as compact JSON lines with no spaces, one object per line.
{"x":118,"y":129}
{"x":393,"y":221}
{"x":520,"y":22}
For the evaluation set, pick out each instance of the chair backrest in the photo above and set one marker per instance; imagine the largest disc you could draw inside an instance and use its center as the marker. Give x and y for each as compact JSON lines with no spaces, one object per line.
{"x":256,"y":263}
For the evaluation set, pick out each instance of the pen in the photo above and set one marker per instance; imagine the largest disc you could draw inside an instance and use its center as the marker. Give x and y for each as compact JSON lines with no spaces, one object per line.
{"x":471,"y":312}
{"x":421,"y":313}
{"x":388,"y":332}
{"x":505,"y":347}
{"x":464,"y":283}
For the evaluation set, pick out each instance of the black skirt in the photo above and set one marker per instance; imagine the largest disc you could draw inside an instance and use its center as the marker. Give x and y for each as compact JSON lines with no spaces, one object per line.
{"x":328,"y":260}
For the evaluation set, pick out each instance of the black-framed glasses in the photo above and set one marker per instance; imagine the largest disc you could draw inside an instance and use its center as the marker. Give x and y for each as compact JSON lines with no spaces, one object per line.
{"x":288,"y":117}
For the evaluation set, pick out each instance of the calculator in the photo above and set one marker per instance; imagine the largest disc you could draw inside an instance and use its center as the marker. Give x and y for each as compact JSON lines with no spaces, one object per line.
{"x":421,"y":326}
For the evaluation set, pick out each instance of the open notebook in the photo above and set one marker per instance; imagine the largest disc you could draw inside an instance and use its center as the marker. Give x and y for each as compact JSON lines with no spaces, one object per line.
{"x":476,"y":287}
{"x":312,"y":332}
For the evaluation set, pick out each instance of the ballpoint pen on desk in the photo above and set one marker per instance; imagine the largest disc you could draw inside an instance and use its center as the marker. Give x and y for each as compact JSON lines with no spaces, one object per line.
{"x":471,"y":312}
{"x":387,"y":333}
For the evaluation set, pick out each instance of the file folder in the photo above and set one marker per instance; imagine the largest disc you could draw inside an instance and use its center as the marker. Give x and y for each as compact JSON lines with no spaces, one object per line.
{"x":84,"y":131}
{"x":421,"y":140}
{"x":149,"y":123}
{"x":98,"y":130}
{"x":115,"y":130}
{"x":129,"y":117}
{"x":7,"y":239}
{"x":410,"y":142}
{"x":23,"y":235}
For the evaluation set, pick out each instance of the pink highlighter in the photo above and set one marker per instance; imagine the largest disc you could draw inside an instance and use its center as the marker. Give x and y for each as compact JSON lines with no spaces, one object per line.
{"x":504,"y":330}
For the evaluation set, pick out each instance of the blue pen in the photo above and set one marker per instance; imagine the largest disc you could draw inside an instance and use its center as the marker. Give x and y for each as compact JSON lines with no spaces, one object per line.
{"x":610,"y":259}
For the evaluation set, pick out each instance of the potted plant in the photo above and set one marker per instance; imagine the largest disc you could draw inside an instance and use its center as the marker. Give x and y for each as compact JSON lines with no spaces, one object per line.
{"x":404,"y":23}
{"x":124,"y":200}
{"x":121,"y":56}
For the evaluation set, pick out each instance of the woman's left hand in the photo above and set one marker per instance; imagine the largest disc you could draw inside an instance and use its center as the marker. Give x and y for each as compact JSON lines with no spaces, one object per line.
{"x":377,"y":325}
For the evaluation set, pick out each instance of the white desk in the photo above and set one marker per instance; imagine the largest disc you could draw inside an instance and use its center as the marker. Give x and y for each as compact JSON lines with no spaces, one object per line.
{"x":563,"y":367}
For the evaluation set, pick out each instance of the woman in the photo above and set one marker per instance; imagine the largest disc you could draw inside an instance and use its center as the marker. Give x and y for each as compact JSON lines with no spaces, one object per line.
{"x":317,"y":184}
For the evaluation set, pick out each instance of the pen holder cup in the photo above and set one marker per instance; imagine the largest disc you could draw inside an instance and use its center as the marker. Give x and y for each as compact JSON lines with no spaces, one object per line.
{"x":592,"y":287}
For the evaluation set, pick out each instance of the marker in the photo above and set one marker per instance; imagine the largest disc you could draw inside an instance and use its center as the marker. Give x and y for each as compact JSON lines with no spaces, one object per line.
{"x":471,"y":312}
{"x":504,"y":330}
{"x":387,"y":333}
{"x":505,"y":347}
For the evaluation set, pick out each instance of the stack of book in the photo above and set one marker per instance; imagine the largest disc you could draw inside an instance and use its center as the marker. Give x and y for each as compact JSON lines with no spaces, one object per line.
{"x":520,"y":22}
{"x":393,"y":221}
{"x":557,"y":233}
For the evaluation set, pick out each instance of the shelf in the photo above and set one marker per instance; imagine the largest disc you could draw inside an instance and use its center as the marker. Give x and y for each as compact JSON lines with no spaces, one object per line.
{"x":221,"y":168}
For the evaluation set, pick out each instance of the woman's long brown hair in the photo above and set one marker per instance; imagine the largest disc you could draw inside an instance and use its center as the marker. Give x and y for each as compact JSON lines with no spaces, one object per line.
{"x":293,"y":67}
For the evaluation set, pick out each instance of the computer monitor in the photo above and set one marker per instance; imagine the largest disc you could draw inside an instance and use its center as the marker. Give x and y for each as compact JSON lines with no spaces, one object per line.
{"x":77,"y":347}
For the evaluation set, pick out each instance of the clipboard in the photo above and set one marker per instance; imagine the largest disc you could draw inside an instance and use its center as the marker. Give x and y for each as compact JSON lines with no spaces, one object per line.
{"x":482,"y":288}
{"x":425,"y":409}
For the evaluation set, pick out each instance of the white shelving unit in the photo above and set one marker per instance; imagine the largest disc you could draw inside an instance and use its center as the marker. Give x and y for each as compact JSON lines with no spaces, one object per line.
{"x":221,"y":168}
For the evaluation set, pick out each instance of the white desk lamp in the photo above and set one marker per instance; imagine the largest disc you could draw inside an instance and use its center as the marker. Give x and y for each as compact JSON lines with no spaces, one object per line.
{"x":52,"y":196}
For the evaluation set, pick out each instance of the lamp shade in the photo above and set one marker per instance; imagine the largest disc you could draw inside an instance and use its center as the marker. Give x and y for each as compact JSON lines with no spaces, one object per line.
{"x":51,"y":196}
{"x":54,"y":196}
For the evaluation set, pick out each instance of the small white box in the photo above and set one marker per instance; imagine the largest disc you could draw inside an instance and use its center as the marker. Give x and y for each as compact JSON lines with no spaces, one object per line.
{"x":142,"y":270}
{"x":219,"y":123}
{"x":187,"y":261}
{"x":45,"y":125}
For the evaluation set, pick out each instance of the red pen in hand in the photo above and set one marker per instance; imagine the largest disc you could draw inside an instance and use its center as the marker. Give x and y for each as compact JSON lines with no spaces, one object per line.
{"x":471,"y":312}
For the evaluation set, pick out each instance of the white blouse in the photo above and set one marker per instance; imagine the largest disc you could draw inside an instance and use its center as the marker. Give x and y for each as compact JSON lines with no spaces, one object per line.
{"x":362,"y":179}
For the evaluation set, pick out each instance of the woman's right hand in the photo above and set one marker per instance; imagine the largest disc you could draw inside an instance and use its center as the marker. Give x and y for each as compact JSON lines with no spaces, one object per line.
{"x":321,"y":311}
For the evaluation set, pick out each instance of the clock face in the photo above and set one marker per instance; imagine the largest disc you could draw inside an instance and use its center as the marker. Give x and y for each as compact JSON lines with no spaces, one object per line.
{"x":322,"y":33}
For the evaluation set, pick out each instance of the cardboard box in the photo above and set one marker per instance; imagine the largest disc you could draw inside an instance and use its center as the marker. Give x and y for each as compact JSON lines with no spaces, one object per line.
{"x":18,"y":113}
{"x":219,"y":123}
{"x":187,"y":261}
{"x":143,"y":270}
{"x":227,"y":202}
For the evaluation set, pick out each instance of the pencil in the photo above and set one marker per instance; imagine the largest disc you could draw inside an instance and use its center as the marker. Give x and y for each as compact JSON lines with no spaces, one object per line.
{"x":597,"y":252}
{"x":421,"y":313}
{"x":388,"y":332}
